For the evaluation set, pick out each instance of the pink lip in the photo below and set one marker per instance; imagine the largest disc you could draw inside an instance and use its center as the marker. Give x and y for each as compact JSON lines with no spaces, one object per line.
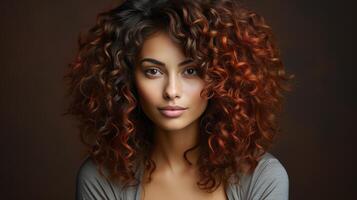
{"x":172,"y":108}
{"x":172,"y":113}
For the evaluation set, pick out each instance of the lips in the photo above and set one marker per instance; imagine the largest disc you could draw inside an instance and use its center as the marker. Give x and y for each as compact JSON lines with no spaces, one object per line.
{"x":172,"y":108}
{"x":172,"y":111}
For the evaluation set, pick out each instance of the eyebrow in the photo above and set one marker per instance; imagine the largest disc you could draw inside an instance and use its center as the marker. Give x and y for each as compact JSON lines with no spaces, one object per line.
{"x":162,"y":64}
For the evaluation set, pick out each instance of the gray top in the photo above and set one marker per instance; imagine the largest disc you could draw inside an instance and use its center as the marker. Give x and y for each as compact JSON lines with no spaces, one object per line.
{"x":268,"y":181}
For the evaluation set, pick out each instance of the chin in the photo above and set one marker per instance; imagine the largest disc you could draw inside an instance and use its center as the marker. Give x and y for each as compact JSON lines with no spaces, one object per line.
{"x":172,"y":125}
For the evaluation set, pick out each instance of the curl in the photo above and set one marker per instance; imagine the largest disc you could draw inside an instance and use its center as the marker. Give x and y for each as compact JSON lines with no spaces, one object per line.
{"x":238,"y":59}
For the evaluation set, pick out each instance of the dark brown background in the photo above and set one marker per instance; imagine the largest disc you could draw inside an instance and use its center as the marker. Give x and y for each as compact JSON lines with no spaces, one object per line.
{"x":41,"y":152}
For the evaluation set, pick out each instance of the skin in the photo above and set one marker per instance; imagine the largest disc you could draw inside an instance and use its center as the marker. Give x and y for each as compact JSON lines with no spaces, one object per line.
{"x":171,"y":84}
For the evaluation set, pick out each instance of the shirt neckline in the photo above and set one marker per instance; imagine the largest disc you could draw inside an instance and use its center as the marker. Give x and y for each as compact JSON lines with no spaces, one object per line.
{"x":228,"y":190}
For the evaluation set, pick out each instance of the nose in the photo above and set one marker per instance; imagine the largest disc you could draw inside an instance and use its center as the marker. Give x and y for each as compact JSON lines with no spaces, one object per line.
{"x":172,"y":88}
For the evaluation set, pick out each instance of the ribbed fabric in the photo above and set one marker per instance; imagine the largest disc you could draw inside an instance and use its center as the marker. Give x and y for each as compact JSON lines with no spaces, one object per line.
{"x":269,"y":181}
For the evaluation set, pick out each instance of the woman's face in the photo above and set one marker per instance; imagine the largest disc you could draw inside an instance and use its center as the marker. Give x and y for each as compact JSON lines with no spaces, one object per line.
{"x":165,"y":77}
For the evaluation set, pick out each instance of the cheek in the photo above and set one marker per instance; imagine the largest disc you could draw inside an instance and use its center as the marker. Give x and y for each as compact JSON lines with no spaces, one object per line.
{"x":193,"y":91}
{"x":147,"y":92}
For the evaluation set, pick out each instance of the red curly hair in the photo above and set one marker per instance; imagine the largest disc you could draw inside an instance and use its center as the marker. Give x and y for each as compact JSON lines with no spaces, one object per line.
{"x":239,"y":61}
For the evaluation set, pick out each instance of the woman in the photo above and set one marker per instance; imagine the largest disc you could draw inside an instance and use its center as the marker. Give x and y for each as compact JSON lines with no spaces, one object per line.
{"x":178,"y":100}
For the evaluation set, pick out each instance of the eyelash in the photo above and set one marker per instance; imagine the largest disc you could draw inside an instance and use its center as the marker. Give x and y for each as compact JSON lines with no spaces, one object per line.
{"x":195,"y":71}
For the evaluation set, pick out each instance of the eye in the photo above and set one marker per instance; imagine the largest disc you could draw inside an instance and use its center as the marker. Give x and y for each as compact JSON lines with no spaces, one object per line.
{"x":191,"y":71}
{"x":152,"y":72}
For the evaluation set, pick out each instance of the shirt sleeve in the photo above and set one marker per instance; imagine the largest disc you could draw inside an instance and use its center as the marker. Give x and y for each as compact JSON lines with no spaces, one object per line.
{"x":269,"y":182}
{"x":90,"y":185}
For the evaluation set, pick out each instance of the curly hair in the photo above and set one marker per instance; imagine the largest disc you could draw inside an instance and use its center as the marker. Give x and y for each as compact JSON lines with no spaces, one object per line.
{"x":240,"y":63}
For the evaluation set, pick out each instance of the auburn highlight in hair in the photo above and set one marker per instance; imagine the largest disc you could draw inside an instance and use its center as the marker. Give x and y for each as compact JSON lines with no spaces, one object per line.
{"x":238,"y":59}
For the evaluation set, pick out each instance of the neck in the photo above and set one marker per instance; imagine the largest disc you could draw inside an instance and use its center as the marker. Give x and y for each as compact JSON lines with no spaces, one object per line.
{"x":170,"y":146}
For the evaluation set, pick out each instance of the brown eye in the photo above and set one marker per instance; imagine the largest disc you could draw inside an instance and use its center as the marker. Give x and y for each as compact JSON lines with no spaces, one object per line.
{"x":191,"y":71}
{"x":152,"y":72}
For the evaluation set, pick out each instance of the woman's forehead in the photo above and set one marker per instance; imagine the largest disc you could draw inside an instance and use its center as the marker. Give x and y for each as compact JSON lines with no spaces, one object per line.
{"x":161,"y":47}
